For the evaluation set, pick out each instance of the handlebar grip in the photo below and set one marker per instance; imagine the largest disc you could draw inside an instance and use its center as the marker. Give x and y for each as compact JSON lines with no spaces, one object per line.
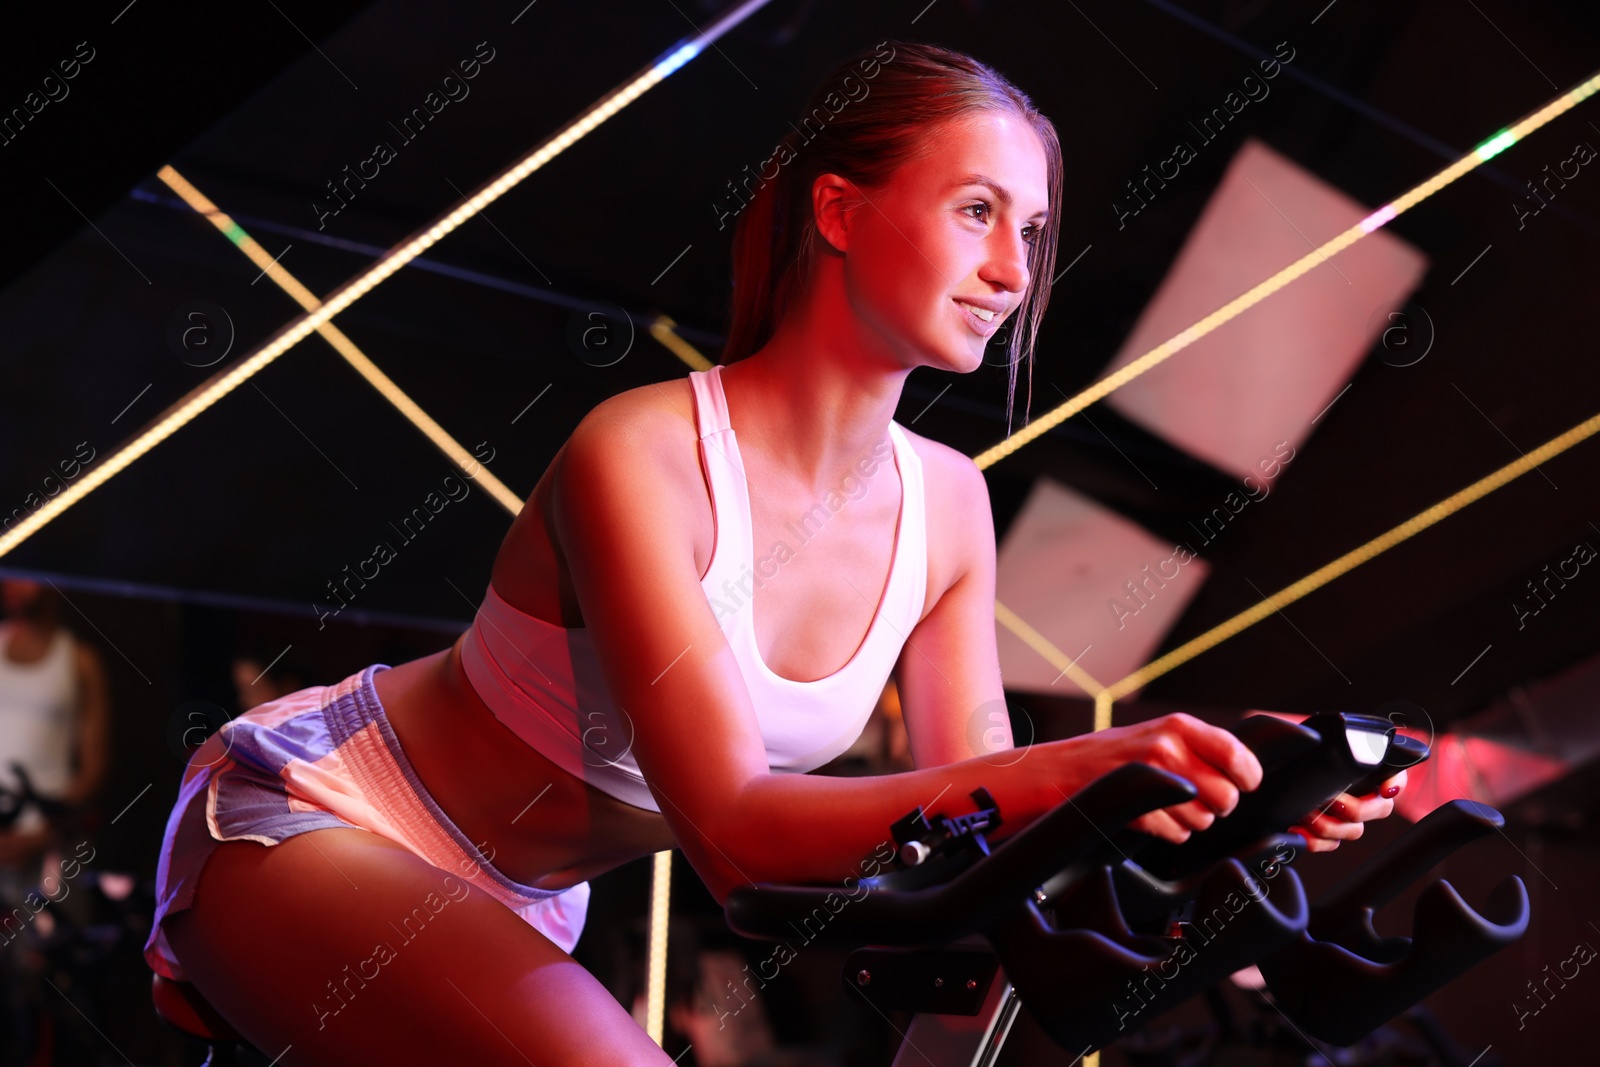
{"x":1403,"y":752}
{"x":1304,"y":765}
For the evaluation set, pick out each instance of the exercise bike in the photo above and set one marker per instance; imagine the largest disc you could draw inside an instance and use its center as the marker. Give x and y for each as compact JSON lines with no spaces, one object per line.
{"x":1093,"y":928}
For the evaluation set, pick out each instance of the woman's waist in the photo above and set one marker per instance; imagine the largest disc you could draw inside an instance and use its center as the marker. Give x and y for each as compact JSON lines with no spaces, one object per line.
{"x":537,"y":822}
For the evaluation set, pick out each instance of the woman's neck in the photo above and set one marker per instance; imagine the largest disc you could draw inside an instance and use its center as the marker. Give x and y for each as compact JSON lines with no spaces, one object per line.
{"x":813,"y":410}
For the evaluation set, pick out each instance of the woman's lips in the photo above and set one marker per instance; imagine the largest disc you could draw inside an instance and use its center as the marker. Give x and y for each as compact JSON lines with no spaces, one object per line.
{"x":977,"y":325}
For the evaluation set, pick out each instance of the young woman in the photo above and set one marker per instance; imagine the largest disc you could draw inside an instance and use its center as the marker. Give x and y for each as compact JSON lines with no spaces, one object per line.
{"x":706,"y":593}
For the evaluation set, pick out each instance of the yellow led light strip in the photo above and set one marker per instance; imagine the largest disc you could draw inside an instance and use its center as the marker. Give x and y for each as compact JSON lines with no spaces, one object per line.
{"x":1373,"y":222}
{"x":656,"y":990}
{"x":1040,"y":644}
{"x":661,"y":328}
{"x":1357,"y":556}
{"x":341,"y":344}
{"x":207,"y":393}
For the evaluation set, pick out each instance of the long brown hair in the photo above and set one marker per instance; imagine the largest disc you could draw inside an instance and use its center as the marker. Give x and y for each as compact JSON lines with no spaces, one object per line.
{"x":912,"y":89}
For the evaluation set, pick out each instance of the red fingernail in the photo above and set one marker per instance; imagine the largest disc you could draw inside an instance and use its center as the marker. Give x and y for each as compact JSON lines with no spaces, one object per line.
{"x":1344,"y":812}
{"x":1391,"y":792}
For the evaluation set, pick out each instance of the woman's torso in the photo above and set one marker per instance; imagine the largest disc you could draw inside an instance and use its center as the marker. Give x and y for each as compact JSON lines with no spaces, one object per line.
{"x":547,"y":828}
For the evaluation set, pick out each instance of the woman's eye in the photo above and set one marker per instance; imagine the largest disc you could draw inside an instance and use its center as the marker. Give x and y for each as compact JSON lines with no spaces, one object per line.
{"x":1030,"y":233}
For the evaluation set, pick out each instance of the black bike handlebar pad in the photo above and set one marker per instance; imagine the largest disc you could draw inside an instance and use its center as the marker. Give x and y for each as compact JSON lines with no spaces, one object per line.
{"x":1304,"y":766}
{"x":1338,"y":980}
{"x":1084,"y":987}
{"x":988,"y":891}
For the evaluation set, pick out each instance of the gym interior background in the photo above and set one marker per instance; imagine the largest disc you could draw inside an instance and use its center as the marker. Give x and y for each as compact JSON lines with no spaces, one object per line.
{"x":1458,"y":346}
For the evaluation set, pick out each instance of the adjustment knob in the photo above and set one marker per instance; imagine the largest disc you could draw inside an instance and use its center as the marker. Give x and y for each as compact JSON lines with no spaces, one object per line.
{"x":912,"y":853}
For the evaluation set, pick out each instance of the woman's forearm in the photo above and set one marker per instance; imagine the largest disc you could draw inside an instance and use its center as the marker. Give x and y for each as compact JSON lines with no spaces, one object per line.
{"x":807,"y":828}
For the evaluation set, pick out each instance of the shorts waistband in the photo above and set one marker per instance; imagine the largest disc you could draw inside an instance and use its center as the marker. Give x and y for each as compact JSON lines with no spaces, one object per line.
{"x":385,"y":775}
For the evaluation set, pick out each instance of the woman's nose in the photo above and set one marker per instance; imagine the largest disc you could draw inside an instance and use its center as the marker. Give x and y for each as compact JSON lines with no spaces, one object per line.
{"x":1008,"y":262}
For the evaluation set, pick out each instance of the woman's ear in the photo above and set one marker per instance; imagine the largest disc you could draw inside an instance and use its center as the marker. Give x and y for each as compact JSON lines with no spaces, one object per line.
{"x":832,"y":200}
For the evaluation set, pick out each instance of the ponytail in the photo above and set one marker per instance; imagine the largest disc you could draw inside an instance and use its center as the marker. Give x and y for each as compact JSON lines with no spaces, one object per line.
{"x":764,"y":255}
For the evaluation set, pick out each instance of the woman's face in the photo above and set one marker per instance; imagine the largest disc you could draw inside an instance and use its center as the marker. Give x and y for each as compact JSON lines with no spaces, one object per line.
{"x":947,"y":241}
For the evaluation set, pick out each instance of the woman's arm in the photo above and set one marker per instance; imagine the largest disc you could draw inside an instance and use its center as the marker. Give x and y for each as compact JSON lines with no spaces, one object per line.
{"x":624,"y":516}
{"x":954,"y":705}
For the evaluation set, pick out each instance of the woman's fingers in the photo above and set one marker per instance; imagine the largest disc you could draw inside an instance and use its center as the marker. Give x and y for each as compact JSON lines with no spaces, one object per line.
{"x":1359,"y":809}
{"x":1192,"y":815}
{"x":1217,"y":763}
{"x":1221,"y":750}
{"x":1391,"y":789}
{"x":1161,"y":824}
{"x":1214,"y":791}
{"x":1313,"y":842}
{"x":1329,"y":826}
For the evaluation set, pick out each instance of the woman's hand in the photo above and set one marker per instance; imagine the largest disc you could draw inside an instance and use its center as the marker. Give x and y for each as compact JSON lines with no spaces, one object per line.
{"x":1219,"y":765}
{"x":1343,"y":817}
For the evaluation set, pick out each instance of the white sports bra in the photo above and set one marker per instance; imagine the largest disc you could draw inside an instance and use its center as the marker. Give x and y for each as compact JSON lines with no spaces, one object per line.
{"x":544,"y":682}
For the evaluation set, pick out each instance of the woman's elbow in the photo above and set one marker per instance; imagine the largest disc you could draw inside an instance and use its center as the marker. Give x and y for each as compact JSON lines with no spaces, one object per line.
{"x":725,"y":859}
{"x":719,"y":874}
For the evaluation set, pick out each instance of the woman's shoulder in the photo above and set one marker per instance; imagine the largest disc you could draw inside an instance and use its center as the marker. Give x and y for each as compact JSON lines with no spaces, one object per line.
{"x":657,"y":408}
{"x":957,"y":514}
{"x":951,"y":481}
{"x":648,"y":431}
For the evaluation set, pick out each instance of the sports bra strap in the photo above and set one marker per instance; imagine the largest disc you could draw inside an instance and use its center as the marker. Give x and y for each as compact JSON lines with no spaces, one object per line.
{"x":711,"y":406}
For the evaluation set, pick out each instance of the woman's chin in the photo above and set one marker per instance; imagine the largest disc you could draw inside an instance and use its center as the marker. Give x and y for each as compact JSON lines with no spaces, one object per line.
{"x":971,"y":358}
{"x":963,"y":356}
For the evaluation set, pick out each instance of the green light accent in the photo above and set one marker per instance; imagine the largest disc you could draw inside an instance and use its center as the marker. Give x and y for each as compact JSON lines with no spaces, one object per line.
{"x":235,"y":234}
{"x":1495,"y":145}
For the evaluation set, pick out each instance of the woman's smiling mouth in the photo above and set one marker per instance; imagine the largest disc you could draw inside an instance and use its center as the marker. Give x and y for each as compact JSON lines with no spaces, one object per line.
{"x":984,"y":321}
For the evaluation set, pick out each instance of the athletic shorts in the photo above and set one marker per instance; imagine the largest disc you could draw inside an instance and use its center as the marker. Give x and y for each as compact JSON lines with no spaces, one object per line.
{"x":324,"y":756}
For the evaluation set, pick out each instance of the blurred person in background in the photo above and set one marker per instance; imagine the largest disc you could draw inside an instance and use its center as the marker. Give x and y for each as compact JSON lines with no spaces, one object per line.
{"x":261,"y":674}
{"x":55,"y":723}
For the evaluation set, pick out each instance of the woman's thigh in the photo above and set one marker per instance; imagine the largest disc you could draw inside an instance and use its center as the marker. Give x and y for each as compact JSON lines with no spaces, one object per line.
{"x":340,"y":946}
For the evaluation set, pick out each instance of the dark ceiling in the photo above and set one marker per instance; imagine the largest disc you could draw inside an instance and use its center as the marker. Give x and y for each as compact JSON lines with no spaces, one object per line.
{"x":270,"y":493}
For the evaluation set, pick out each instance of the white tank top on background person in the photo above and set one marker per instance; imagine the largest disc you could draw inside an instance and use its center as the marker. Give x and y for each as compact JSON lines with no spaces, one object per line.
{"x":38,"y":705}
